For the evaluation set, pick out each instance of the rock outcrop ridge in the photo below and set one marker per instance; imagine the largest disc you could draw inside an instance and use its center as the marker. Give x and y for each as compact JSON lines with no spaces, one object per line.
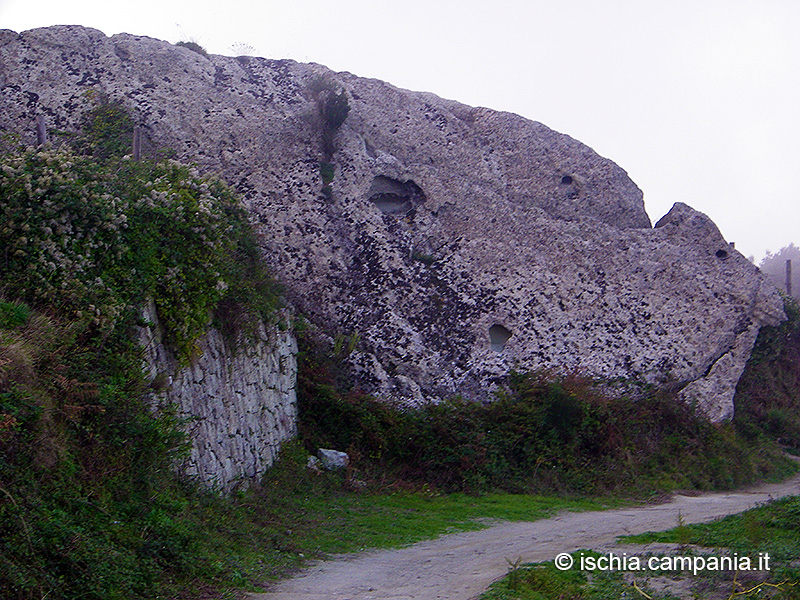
{"x":456,"y":242}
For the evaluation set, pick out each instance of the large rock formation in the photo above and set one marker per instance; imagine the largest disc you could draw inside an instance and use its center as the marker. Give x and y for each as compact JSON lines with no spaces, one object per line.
{"x":455,"y":242}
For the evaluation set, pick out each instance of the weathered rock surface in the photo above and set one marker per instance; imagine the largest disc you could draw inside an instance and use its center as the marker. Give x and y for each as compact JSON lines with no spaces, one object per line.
{"x":238,"y":401}
{"x":457,"y":242}
{"x":333,"y":460}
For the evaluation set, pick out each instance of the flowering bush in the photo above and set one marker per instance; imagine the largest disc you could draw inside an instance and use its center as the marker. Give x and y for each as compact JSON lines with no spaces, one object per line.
{"x":94,"y":239}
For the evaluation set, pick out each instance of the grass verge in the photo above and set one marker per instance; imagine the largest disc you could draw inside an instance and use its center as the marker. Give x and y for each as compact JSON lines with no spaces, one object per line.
{"x":325,"y":517}
{"x":762,"y":546}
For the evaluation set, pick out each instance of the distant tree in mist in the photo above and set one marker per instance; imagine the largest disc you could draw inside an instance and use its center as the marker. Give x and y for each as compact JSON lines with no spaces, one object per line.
{"x":774,"y":267}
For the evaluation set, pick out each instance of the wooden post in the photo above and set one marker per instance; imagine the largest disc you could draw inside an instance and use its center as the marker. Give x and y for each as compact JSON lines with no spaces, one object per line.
{"x":789,"y":277}
{"x":137,"y":143}
{"x":41,"y":130}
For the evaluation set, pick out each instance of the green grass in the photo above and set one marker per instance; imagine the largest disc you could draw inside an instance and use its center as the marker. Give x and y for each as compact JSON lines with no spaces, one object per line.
{"x":203,"y":546}
{"x":772,"y":529}
{"x":326,"y":518}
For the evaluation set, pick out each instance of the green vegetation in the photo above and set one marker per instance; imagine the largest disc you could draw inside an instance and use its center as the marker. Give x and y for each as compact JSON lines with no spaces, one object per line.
{"x":90,"y":506}
{"x":770,"y":530}
{"x":768,"y":394}
{"x":95,"y":239}
{"x":13,"y":314}
{"x":333,"y":106}
{"x":543,"y":582}
{"x":85,"y":466}
{"x":331,"y":513}
{"x":194,"y":47}
{"x":327,"y":171}
{"x":545,"y":434}
{"x":107,"y":131}
{"x":426,"y":259}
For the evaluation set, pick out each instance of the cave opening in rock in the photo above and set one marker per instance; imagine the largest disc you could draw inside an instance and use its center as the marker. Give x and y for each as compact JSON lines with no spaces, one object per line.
{"x":499,"y":336}
{"x":396,"y":198}
{"x":722,"y":254}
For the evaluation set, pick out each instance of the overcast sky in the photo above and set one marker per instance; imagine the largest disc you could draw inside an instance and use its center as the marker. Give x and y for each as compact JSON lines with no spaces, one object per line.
{"x":697,"y":100}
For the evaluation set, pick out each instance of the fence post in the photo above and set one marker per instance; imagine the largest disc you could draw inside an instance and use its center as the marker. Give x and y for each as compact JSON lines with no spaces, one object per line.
{"x":137,"y":143}
{"x":41,"y":130}
{"x":789,"y":277}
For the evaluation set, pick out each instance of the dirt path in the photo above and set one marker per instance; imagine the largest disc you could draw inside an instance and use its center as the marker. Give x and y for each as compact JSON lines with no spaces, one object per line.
{"x":461,"y":566}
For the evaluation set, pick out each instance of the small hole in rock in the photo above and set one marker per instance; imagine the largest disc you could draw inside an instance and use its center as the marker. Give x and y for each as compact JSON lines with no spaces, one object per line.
{"x":722,"y":254}
{"x":566,"y":180}
{"x":498,"y":336}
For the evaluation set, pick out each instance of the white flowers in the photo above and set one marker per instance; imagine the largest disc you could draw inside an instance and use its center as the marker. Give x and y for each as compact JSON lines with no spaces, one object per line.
{"x":75,"y":229}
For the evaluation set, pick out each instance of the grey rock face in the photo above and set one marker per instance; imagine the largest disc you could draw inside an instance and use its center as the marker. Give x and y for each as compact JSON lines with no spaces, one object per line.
{"x":239,"y":403}
{"x":456,"y":242}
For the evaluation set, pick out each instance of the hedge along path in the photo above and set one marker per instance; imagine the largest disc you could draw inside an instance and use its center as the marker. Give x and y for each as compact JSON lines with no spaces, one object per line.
{"x":462,"y":566}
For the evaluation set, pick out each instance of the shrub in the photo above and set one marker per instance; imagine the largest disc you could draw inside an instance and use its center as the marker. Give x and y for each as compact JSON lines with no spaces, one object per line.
{"x":544,"y":434}
{"x":90,"y":505}
{"x":82,"y":456}
{"x":194,"y":47}
{"x":767,"y":397}
{"x":327,"y":171}
{"x":96,"y":240}
{"x":333,"y":106}
{"x":106,"y":131}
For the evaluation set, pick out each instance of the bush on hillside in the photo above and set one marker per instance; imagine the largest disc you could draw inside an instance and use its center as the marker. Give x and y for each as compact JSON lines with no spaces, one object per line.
{"x":94,"y":241}
{"x":194,"y":47}
{"x":90,"y":504}
{"x":767,"y":397}
{"x":544,"y":434}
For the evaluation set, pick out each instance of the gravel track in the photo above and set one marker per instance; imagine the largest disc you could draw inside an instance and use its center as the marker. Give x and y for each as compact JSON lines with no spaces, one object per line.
{"x":461,"y":566}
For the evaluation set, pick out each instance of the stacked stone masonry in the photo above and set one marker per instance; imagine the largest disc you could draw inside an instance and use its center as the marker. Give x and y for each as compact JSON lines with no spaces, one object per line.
{"x":238,"y":400}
